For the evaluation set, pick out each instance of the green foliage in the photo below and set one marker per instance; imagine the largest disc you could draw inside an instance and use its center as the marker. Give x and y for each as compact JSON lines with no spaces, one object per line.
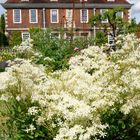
{"x":51,"y":47}
{"x":18,"y":120}
{"x":115,"y":22}
{"x":3,"y":40}
{"x":15,"y":39}
{"x":2,"y":24}
{"x":101,"y":38}
{"x":7,"y":55}
{"x":58,"y":50}
{"x":121,"y":127}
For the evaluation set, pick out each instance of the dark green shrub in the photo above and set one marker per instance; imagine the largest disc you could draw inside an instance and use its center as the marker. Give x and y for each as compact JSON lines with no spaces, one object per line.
{"x":3,"y":40}
{"x":121,"y":127}
{"x":49,"y":46}
{"x":15,"y":39}
{"x":101,"y":38}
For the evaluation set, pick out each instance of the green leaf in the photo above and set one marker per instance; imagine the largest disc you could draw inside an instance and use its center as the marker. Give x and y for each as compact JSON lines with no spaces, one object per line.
{"x":19,"y":109}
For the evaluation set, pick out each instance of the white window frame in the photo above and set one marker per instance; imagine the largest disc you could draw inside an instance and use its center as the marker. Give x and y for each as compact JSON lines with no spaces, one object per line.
{"x":101,"y":12}
{"x":14,"y":16}
{"x":23,"y":35}
{"x":57,"y":14}
{"x":36,"y":16}
{"x":81,"y":13}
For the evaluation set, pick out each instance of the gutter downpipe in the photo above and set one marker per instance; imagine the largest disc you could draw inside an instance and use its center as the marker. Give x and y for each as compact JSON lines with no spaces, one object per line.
{"x":44,"y":20}
{"x":94,"y":27}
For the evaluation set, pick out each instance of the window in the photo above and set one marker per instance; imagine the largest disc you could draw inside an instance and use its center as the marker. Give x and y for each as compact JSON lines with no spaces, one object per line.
{"x":110,"y":39}
{"x":54,"y":15}
{"x":33,"y":14}
{"x":84,"y":15}
{"x":25,"y":36}
{"x":102,"y":11}
{"x":119,"y":14}
{"x":69,"y":15}
{"x":17,"y":15}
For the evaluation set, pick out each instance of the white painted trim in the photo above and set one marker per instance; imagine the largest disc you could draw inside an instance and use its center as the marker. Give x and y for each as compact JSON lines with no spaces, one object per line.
{"x":129,"y":15}
{"x":44,"y":18}
{"x":81,"y":16}
{"x":30,"y":16}
{"x":122,"y":15}
{"x":57,"y":15}
{"x":14,"y":16}
{"x":16,"y":29}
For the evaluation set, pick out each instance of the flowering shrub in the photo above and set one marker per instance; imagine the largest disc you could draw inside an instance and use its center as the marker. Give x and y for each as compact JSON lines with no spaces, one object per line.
{"x":25,"y":49}
{"x":97,"y":98}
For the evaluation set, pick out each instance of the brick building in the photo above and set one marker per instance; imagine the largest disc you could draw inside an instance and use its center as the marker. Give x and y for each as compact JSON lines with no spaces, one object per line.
{"x":24,"y":14}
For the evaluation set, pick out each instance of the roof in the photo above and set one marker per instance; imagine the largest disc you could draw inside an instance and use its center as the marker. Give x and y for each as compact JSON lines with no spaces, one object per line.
{"x":65,"y":4}
{"x":67,"y":1}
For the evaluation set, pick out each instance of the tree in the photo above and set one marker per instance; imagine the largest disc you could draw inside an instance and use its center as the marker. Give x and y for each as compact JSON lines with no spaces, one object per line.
{"x":3,"y":38}
{"x":116,"y":25}
{"x":2,"y":24}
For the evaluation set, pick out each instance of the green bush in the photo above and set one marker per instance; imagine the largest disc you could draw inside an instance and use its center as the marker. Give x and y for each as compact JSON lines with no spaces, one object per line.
{"x":15,"y":39}
{"x":3,"y":40}
{"x":59,"y":50}
{"x":101,"y":38}
{"x":7,"y":55}
{"x":52,"y":47}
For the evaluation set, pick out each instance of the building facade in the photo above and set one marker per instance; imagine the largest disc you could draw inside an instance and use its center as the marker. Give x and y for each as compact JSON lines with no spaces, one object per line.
{"x":21,"y":15}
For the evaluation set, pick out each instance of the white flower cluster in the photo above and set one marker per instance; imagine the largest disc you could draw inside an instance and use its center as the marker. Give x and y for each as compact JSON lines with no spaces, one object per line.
{"x":30,"y":129}
{"x":26,"y":47}
{"x":33,"y":110}
{"x":78,"y":96}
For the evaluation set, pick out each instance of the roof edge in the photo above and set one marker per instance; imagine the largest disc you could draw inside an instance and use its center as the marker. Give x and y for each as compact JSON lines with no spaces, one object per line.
{"x":62,"y":5}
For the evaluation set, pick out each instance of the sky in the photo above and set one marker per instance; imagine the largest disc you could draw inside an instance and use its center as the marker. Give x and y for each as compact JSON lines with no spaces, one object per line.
{"x":135,"y":9}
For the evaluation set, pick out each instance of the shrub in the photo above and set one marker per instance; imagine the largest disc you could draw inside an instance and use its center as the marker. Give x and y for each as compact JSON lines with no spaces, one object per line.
{"x":15,"y":39}
{"x":3,"y":40}
{"x":97,"y":98}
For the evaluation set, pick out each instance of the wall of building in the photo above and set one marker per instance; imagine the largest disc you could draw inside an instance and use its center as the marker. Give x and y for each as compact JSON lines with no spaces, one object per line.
{"x":25,"y":21}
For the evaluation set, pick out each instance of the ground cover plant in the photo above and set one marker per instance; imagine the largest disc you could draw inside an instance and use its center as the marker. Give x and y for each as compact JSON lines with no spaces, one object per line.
{"x":96,"y":98}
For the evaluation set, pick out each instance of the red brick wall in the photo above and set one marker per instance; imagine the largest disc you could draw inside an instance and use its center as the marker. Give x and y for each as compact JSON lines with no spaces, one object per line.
{"x":25,"y":19}
{"x":62,"y":12}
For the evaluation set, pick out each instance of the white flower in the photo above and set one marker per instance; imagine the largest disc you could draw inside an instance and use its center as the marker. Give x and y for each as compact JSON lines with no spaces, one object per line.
{"x":4,"y":98}
{"x":30,"y":129}
{"x":18,"y":98}
{"x":33,"y":110}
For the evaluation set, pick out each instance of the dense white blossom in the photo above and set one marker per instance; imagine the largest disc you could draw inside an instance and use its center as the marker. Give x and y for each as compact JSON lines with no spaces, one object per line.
{"x":76,"y":97}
